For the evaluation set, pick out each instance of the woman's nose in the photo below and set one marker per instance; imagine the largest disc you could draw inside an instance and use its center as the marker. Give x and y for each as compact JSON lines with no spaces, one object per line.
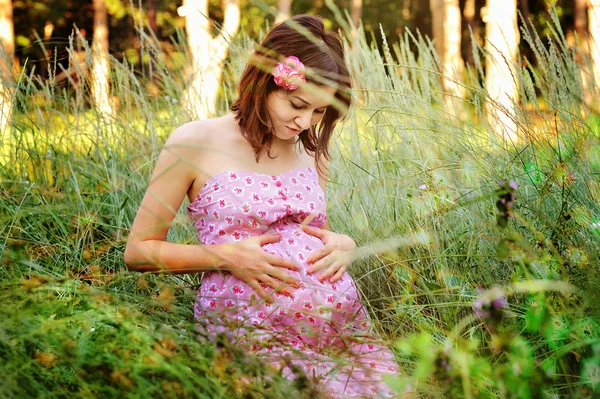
{"x":303,"y":120}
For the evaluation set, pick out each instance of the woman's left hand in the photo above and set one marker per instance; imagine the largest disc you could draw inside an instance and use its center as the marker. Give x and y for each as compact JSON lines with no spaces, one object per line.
{"x":334,"y":257}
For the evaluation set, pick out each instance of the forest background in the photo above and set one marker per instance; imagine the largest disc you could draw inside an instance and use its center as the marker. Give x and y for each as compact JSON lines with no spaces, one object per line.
{"x":42,"y":28}
{"x":53,"y":21}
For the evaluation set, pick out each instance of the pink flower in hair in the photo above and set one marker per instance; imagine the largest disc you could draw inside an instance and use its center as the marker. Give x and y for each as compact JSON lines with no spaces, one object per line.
{"x":289,"y":73}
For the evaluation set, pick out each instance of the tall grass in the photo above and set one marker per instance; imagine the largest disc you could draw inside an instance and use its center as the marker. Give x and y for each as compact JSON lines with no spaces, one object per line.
{"x":415,"y":184}
{"x":406,"y":165}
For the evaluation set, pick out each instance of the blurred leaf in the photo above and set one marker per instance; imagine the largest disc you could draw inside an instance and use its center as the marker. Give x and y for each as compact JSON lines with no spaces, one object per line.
{"x":535,"y":316}
{"x":590,"y":373}
{"x":533,"y":172}
{"x":23,"y":41}
{"x":502,"y":250}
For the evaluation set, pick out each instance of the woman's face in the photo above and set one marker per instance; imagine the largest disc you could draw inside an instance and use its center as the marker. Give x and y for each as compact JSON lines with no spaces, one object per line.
{"x":293,"y":111}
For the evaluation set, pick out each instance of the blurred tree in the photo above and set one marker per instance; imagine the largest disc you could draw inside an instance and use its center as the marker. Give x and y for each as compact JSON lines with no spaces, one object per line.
{"x":101,"y":66}
{"x":472,"y":28}
{"x":524,"y":8}
{"x":356,"y":12}
{"x":470,"y":22}
{"x":284,"y":10}
{"x":207,"y":54}
{"x":447,"y":32}
{"x":31,"y":18}
{"x":578,"y":37}
{"x":594,"y":27}
{"x":502,"y":43}
{"x":437,"y":24}
{"x":7,"y":52}
{"x":580,"y":22}
{"x":152,"y":9}
{"x":392,"y":18}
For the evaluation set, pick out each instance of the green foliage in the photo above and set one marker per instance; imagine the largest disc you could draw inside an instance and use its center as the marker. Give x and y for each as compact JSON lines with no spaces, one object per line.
{"x":72,"y":338}
{"x":405,"y":164}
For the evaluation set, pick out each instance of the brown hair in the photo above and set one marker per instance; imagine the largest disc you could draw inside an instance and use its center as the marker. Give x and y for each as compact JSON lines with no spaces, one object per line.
{"x":322,"y":53}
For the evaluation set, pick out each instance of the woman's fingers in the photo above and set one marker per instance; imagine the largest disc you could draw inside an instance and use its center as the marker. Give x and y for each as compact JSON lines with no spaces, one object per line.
{"x":278,"y":261}
{"x":276,"y":285}
{"x":283,"y":276}
{"x":260,"y":291}
{"x":333,"y":267}
{"x":313,"y":231}
{"x":320,"y":265}
{"x":317,"y":256}
{"x":267,"y":239}
{"x":338,"y":275}
{"x":282,"y":262}
{"x":325,"y":262}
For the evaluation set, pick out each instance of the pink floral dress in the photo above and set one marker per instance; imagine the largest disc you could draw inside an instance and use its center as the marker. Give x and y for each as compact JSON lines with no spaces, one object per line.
{"x":319,"y":322}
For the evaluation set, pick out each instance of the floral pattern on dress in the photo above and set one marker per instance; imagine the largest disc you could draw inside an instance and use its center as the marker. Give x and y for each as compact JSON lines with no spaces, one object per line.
{"x":319,"y":318}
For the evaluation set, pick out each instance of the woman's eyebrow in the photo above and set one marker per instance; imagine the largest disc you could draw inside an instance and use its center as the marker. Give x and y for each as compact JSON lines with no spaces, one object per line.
{"x":301,"y":99}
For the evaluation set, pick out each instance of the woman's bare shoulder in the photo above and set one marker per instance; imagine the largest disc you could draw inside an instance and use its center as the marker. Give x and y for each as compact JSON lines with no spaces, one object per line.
{"x":196,"y":136}
{"x":192,"y":132}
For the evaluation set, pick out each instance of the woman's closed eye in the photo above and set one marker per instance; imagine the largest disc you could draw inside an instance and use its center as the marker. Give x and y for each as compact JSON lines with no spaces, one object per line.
{"x":300,"y":107}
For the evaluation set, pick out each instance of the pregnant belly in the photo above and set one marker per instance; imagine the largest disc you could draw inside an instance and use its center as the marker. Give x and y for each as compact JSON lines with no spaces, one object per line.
{"x":295,"y":245}
{"x":226,"y":299}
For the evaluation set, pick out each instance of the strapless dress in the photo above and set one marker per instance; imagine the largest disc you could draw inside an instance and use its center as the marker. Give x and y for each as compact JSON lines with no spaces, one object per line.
{"x":322,"y":326}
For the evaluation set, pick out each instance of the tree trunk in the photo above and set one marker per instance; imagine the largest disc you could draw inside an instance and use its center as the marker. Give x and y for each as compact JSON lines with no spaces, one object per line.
{"x":502,"y":42}
{"x":437,"y":25}
{"x":580,"y":17}
{"x":594,"y":45}
{"x":152,"y":8}
{"x":472,"y":24}
{"x":453,"y":62}
{"x":356,"y":12}
{"x":579,"y":38}
{"x":447,"y":34}
{"x":406,"y":10}
{"x":284,"y":10}
{"x":524,"y":7}
{"x":207,"y":54}
{"x":101,"y":67}
{"x":7,"y":54}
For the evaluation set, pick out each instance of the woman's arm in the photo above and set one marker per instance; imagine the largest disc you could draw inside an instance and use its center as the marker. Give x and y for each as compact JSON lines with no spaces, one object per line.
{"x":173,"y":175}
{"x":147,"y":250}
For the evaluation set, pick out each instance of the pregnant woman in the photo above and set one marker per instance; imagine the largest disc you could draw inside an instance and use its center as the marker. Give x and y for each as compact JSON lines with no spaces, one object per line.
{"x":274,"y":274}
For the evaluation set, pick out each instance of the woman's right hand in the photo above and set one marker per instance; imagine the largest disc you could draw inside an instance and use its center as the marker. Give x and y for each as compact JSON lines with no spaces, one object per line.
{"x":249,"y":262}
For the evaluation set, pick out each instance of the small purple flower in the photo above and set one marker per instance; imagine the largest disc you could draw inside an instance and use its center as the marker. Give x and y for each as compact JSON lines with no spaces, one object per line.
{"x":504,"y":204}
{"x":489,"y":305}
{"x":499,"y":303}
{"x":443,"y":369}
{"x":479,"y":308}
